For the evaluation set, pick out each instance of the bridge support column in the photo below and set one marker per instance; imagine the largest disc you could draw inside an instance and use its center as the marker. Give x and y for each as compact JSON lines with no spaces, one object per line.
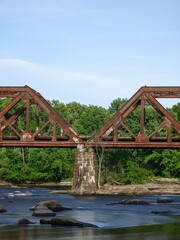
{"x":85,"y":170}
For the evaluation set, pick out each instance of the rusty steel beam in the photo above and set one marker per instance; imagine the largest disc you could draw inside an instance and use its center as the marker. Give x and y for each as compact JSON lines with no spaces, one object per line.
{"x":67,"y":144}
{"x":14,"y":117}
{"x":42,"y":144}
{"x":12,"y":104}
{"x":134,"y":145}
{"x":11,"y":92}
{"x":142,"y":130}
{"x":163,"y":92}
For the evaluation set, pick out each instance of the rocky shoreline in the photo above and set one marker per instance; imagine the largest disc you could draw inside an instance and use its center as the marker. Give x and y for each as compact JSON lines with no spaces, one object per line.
{"x":138,"y":190}
{"x":157,"y":186}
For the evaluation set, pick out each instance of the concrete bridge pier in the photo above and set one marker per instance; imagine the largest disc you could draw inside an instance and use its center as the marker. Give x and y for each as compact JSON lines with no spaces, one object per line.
{"x":85,"y":170}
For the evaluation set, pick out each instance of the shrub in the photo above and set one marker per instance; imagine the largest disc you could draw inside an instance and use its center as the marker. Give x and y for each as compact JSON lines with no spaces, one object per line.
{"x":136,"y":174}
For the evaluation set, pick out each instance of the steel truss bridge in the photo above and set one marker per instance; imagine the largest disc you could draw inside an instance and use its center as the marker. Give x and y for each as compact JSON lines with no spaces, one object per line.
{"x":28,"y":120}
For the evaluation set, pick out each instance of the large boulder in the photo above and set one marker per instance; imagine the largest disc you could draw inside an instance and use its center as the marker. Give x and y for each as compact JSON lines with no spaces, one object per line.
{"x":43,"y":211}
{"x":67,"y":222}
{"x":52,"y":205}
{"x":2,"y":209}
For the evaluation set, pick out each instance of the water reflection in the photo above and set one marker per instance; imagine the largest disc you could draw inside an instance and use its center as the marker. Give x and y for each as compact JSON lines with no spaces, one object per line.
{"x":158,"y":232}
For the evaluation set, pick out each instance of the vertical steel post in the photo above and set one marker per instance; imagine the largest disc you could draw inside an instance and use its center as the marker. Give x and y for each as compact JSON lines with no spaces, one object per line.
{"x":54,"y":138}
{"x":27,"y":115}
{"x":115,"y":138}
{"x":169,"y":138}
{"x":0,"y":132}
{"x":37,"y":117}
{"x":142,"y":116}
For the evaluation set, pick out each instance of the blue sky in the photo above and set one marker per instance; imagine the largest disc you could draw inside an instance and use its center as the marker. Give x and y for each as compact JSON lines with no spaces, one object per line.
{"x":90,"y":51}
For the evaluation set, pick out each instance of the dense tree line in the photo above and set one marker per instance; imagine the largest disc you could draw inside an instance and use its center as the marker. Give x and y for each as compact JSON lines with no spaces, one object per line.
{"x":124,"y":165}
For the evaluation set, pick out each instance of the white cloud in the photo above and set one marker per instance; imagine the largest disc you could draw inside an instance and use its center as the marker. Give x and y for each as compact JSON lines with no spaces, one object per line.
{"x":68,"y":86}
{"x":56,"y":83}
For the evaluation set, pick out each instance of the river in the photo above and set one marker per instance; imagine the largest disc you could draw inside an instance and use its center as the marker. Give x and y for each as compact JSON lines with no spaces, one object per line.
{"x":114,"y":221}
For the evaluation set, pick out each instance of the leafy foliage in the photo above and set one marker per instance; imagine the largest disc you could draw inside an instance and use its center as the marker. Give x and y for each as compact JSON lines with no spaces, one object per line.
{"x":123,"y":165}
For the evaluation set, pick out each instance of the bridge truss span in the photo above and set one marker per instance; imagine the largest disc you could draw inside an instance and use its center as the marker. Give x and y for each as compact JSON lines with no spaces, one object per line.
{"x":144,"y":108}
{"x":28,"y":120}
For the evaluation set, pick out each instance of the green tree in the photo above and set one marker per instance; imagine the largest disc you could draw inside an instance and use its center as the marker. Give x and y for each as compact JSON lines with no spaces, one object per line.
{"x":116,"y":104}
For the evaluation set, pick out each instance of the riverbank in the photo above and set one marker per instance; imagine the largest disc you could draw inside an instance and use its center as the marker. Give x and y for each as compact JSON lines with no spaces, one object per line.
{"x":157,"y":186}
{"x":154,"y":187}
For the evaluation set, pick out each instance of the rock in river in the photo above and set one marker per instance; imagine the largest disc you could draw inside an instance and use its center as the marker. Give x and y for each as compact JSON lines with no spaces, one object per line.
{"x":24,"y":221}
{"x":67,"y":222}
{"x":52,"y":205}
{"x":2,"y":209}
{"x":135,"y":201}
{"x":163,"y":212}
{"x":164,"y":200}
{"x":132,"y":201}
{"x":43,"y":211}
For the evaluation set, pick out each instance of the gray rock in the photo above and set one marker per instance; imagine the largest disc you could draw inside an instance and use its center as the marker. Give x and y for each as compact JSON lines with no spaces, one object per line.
{"x":113,"y":203}
{"x":43,"y":211}
{"x":52,"y":205}
{"x":164,"y":212}
{"x":135,"y":201}
{"x":2,"y":209}
{"x":24,"y":221}
{"x":67,"y":223}
{"x":164,"y":200}
{"x":132,"y":201}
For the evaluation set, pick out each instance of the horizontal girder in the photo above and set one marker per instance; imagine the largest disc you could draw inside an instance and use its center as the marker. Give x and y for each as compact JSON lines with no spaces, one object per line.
{"x":103,"y":144}
{"x":162,"y":92}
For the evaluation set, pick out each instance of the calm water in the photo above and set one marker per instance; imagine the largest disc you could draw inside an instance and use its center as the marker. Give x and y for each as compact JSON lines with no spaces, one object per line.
{"x":114,"y":221}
